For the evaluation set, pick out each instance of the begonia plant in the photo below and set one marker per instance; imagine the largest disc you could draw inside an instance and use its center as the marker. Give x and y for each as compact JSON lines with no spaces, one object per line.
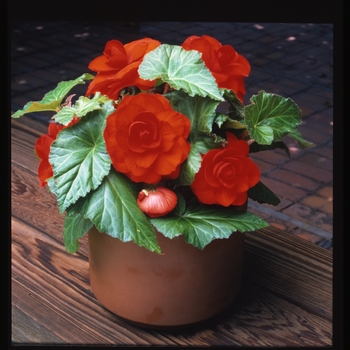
{"x":161,"y":140}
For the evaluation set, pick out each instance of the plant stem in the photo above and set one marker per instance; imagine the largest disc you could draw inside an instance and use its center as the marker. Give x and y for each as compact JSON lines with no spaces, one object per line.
{"x":166,"y":88}
{"x":249,"y":142}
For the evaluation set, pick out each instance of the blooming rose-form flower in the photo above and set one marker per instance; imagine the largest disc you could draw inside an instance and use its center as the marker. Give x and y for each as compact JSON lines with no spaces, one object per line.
{"x":226,"y":174}
{"x":227,"y":66}
{"x":42,"y":149}
{"x":146,"y":139}
{"x":117,"y":67}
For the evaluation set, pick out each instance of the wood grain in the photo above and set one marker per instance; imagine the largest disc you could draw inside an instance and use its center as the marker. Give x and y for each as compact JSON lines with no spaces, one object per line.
{"x":44,"y":273}
{"x":27,"y":330}
{"x":285,"y":298}
{"x":293,"y":273}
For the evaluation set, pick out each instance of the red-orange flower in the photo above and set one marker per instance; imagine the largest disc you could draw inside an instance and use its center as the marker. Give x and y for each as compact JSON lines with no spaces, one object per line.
{"x":42,"y":149}
{"x":226,"y":174}
{"x":117,"y":67}
{"x":227,"y":66}
{"x":146,"y":139}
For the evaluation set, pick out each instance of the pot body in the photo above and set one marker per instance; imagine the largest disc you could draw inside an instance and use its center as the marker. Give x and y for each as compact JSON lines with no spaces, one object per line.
{"x":181,"y":286}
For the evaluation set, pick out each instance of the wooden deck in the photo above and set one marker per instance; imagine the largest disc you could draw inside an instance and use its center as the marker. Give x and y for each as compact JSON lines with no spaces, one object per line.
{"x":285,"y":298}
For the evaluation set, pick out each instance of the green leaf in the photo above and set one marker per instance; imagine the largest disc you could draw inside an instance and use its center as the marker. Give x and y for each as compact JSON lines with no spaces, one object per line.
{"x":262,"y":194}
{"x":270,"y":117}
{"x":181,"y":203}
{"x":201,"y":113}
{"x":200,"y":224}
{"x":52,"y":100}
{"x":255,"y":147}
{"x":75,"y":226}
{"x":190,"y":166}
{"x":236,"y":108}
{"x":224,"y":122}
{"x":81,"y":107}
{"x":113,"y":209}
{"x":302,"y":143}
{"x":79,"y":158}
{"x":181,"y":69}
{"x":52,"y":185}
{"x":220,"y":119}
{"x":262,"y":134}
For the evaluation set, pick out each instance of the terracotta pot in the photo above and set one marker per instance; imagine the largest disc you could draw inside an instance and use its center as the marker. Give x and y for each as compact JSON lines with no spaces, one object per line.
{"x":182,"y":286}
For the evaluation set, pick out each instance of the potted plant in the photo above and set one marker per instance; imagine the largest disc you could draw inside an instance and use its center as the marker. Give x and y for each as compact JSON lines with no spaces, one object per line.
{"x":153,"y":163}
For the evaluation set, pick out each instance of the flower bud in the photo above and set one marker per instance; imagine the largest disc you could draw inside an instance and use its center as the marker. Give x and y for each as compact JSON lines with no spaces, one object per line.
{"x":157,"y":202}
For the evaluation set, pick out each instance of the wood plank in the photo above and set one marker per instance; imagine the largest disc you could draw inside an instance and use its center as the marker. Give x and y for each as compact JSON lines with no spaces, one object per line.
{"x":23,"y":140}
{"x":308,"y":249}
{"x":59,"y":282}
{"x":33,"y":204}
{"x":27,"y":331}
{"x":292,"y":272}
{"x":261,"y":318}
{"x":36,"y":206}
{"x":32,"y":125}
